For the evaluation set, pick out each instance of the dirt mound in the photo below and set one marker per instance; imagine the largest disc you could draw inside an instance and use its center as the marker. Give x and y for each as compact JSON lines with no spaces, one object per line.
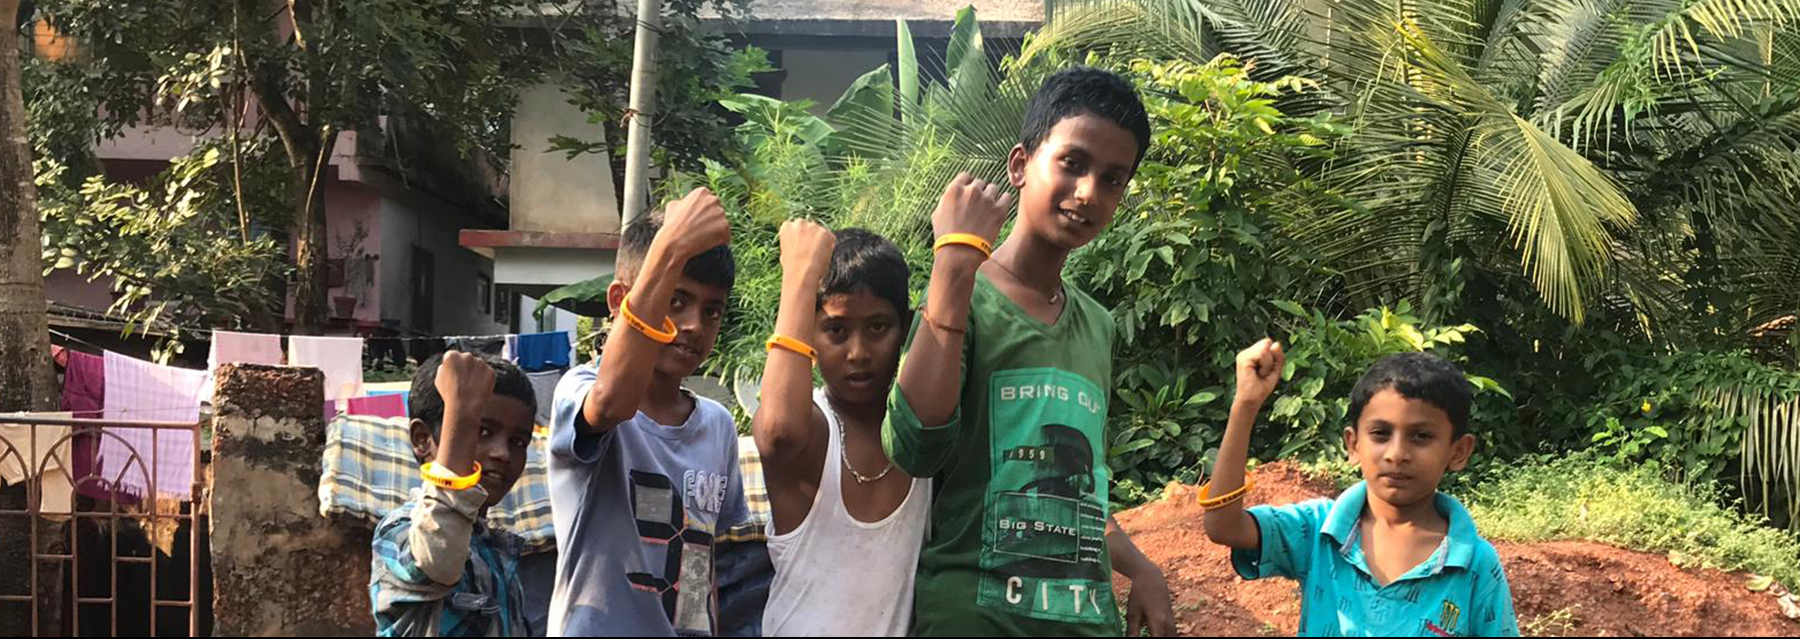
{"x":1565,"y":587}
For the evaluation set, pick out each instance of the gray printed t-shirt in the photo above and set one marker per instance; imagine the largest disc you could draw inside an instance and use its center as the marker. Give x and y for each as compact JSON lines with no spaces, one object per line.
{"x":636,"y":511}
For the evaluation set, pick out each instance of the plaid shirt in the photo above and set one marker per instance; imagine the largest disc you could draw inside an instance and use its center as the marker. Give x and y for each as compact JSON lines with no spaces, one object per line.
{"x":486,"y":600}
{"x":369,"y":471}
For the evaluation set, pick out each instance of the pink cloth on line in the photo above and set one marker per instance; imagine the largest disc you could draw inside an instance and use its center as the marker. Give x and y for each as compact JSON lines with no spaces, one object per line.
{"x":378,"y":406}
{"x":84,"y":384}
{"x":137,"y":390}
{"x":244,"y":348}
{"x":84,"y":394}
{"x":340,"y":358}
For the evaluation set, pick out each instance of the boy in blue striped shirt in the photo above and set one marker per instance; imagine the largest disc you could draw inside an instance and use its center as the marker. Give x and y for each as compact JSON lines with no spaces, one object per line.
{"x":1392,"y":556}
{"x":438,"y":570}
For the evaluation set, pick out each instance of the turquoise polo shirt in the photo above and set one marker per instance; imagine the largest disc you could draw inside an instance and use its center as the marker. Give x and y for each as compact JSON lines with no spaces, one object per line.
{"x":1460,"y":591}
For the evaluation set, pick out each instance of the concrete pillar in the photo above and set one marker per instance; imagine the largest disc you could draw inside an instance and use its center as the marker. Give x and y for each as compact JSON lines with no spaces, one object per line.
{"x":279,"y":568}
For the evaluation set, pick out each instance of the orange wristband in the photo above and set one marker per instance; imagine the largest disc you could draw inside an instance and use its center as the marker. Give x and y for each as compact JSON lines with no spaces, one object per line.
{"x":443,"y":477}
{"x":664,"y":336}
{"x":1214,"y":503}
{"x":791,"y":344}
{"x":966,"y":239}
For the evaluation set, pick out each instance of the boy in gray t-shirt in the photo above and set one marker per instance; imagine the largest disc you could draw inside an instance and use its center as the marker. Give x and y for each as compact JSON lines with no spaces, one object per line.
{"x":643,"y":474}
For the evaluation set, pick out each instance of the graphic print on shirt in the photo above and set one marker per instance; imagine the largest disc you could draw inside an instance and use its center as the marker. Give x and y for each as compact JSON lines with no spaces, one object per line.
{"x":1045,"y":531}
{"x":686,"y":582}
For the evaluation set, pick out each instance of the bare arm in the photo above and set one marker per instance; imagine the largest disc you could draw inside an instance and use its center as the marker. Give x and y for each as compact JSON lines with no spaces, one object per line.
{"x":1258,"y":370}
{"x":1150,"y":605}
{"x":968,"y":206}
{"x":691,"y":226}
{"x":784,"y":421}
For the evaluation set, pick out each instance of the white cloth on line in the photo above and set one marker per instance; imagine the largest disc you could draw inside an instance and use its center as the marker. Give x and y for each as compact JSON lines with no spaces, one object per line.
{"x":340,"y":358}
{"x":137,"y":390}
{"x":243,"y":348}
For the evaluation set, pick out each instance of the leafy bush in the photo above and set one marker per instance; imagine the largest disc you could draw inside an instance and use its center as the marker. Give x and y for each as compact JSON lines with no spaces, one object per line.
{"x":1642,"y":508}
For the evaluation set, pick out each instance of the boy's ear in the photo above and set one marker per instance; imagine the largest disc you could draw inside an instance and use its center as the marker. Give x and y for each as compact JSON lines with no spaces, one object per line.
{"x":423,"y":444}
{"x":1460,"y":451}
{"x":1015,"y":166}
{"x":615,"y":296}
{"x":1350,"y":444}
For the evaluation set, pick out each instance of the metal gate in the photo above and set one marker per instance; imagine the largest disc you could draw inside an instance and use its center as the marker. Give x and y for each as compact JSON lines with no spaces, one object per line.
{"x":85,"y":501}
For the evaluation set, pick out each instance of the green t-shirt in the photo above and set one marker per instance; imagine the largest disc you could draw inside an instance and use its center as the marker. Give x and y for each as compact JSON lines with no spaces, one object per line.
{"x":1017,"y":542}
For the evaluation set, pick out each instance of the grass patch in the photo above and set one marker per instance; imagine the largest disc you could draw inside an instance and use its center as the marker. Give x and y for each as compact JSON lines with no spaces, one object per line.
{"x":1638,"y":508}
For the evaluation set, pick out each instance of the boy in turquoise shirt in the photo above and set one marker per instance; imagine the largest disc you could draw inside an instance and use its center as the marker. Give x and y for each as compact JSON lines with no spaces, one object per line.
{"x":1392,"y":556}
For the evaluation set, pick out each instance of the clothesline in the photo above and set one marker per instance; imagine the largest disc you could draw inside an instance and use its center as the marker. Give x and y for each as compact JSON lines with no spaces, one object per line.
{"x":415,"y":338}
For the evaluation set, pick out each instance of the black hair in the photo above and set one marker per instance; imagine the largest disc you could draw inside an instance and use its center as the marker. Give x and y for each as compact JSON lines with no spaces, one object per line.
{"x":1084,"y":90}
{"x":425,"y":404}
{"x":715,"y":267}
{"x":1419,"y":376}
{"x":865,"y":261}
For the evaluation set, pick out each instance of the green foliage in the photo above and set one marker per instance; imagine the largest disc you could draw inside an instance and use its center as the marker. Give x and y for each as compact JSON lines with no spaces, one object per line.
{"x":697,"y":69}
{"x":1640,"y":507}
{"x":173,"y":249}
{"x":432,"y":82}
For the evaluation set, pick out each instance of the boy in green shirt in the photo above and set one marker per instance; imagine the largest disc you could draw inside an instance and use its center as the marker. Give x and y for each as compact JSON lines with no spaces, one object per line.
{"x":1003,"y":391}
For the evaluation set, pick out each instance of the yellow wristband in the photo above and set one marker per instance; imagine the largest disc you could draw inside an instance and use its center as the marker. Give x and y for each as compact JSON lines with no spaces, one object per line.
{"x":443,"y":477}
{"x":1213,"y":503}
{"x":664,"y":336}
{"x":791,"y":344}
{"x":966,"y":239}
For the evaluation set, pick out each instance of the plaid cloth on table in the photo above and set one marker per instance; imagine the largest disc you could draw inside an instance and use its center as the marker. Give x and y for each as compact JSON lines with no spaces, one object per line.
{"x":369,"y":470}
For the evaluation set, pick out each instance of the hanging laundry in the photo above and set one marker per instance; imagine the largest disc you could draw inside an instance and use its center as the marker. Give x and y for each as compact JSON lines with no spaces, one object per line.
{"x":137,"y":390}
{"x":423,"y":348}
{"x":243,"y":348}
{"x":490,"y":344}
{"x":387,"y":351}
{"x":43,"y":453}
{"x":84,"y":384}
{"x":387,"y":406}
{"x":543,"y":384}
{"x":543,"y":351}
{"x":511,"y":352}
{"x":340,"y":358}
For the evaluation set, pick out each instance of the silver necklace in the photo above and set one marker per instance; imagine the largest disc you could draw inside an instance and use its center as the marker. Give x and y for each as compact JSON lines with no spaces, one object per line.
{"x":844,"y":450}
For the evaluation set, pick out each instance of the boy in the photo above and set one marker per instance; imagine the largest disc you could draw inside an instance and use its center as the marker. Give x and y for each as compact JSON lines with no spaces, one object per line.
{"x":1392,"y":556}
{"x":438,"y":570}
{"x":643,"y":473}
{"x":1002,"y":396}
{"x":836,"y":498}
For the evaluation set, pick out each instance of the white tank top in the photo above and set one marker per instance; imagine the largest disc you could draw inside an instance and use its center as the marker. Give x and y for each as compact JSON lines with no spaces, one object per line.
{"x":836,"y":576}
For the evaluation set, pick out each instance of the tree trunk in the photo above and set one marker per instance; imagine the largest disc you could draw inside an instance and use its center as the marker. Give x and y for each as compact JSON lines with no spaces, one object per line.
{"x":311,"y":241}
{"x":26,"y":379}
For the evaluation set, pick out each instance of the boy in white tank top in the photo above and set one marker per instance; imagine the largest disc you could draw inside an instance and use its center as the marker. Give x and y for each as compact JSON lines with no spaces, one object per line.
{"x":847,"y":524}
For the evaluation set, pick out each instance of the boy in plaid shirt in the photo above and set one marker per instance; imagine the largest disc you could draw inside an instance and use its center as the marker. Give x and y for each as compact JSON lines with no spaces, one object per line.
{"x":438,"y":570}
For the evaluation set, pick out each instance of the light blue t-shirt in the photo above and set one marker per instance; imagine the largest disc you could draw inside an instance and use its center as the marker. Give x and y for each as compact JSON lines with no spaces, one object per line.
{"x":636,"y":511}
{"x":1459,"y":591}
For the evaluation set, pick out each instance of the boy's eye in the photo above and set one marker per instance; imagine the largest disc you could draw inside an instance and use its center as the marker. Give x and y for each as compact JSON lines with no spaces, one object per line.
{"x":878,"y":328}
{"x":676,"y":305}
{"x":713,"y":313}
{"x":485,"y":432}
{"x":518,"y":443}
